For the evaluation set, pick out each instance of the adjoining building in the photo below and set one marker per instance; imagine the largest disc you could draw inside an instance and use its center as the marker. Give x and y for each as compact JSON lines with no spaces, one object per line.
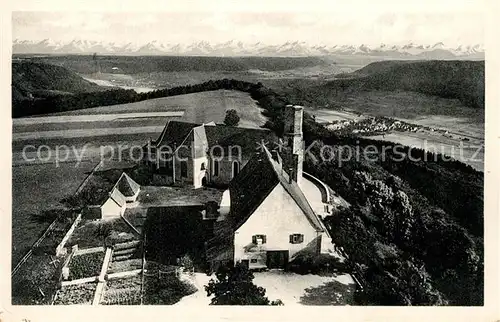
{"x":265,"y":218}
{"x":269,"y":221}
{"x":123,"y":195}
{"x":202,"y":154}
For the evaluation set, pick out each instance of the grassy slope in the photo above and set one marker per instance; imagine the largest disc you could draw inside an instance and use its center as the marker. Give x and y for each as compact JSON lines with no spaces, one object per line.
{"x":36,"y":188}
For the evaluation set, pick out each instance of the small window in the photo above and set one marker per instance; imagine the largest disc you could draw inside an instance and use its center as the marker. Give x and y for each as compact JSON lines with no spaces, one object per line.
{"x":296,"y":239}
{"x":253,"y":260}
{"x":203,"y":166}
{"x":184,"y":169}
{"x":216,"y":168}
{"x":258,"y":239}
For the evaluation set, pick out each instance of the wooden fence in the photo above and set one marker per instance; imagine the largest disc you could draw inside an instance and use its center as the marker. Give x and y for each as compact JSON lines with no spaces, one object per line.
{"x":60,"y":247}
{"x":35,"y":245}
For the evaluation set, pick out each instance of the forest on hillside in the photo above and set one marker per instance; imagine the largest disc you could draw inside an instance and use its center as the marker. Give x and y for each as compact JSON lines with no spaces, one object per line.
{"x":462,"y":80}
{"x":85,"y":64}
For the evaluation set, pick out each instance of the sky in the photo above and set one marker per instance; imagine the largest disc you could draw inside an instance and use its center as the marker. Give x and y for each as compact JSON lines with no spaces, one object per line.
{"x":352,"y":22}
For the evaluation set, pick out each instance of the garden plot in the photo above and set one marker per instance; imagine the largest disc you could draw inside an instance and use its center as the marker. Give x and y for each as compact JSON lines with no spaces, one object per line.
{"x":76,"y":294}
{"x":125,"y":265}
{"x":85,"y":265}
{"x":89,"y":233}
{"x":122,"y":291}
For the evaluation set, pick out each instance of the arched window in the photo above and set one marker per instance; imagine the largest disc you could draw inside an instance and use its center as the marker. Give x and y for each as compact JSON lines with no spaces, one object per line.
{"x":236,"y":168}
{"x":216,"y":166}
{"x":203,"y":166}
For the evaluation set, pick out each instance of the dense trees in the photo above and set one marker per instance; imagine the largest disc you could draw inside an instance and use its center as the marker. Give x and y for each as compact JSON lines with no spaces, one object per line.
{"x":414,"y":232}
{"x":462,"y":80}
{"x":234,"y":286}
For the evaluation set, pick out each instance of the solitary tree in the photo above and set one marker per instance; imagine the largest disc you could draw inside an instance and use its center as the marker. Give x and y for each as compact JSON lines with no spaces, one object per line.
{"x":234,"y":286}
{"x":231,"y":118}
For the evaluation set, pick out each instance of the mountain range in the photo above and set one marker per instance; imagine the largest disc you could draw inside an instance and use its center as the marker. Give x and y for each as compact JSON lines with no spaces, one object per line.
{"x":238,"y":48}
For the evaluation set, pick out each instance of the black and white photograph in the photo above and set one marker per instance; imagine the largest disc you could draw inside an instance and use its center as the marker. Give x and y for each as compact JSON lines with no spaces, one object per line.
{"x":329,"y":156}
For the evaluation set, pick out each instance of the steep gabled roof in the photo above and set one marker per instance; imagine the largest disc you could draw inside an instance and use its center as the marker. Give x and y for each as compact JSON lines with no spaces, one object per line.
{"x":117,"y":197}
{"x":231,"y":136}
{"x":127,"y":186}
{"x":296,"y":193}
{"x":250,"y":188}
{"x":255,"y":182}
{"x":174,"y":133}
{"x":178,"y":133}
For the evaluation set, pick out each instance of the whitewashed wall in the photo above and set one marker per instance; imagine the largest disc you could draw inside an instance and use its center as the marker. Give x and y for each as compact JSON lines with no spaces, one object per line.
{"x":277,"y":217}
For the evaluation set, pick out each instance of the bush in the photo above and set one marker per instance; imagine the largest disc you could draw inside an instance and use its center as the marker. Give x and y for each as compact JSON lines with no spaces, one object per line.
{"x":316,"y":264}
{"x":234,"y":286}
{"x":166,"y":290}
{"x":232,"y":118}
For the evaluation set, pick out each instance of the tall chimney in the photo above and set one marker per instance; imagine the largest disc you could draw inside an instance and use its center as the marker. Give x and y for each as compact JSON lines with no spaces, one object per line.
{"x":294,"y":115}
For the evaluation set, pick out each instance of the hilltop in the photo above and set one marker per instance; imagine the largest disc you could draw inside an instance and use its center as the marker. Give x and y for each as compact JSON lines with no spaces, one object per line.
{"x":41,"y":80}
{"x":463,"y":80}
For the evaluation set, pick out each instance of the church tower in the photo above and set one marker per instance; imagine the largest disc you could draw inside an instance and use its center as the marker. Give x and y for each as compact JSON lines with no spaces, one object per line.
{"x":294,"y":140}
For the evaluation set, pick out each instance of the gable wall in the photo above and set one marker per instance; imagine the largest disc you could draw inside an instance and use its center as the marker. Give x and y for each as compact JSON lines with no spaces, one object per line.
{"x":111,"y":210}
{"x":277,"y":218}
{"x":225,"y":170}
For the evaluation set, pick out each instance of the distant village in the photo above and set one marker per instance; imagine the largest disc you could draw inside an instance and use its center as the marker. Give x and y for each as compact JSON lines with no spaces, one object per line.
{"x":381,"y":125}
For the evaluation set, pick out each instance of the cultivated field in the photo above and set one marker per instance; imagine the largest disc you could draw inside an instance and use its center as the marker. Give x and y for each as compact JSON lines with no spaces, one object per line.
{"x":197,"y":107}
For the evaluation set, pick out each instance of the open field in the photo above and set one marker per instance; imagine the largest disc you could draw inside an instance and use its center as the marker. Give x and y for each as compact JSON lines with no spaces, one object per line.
{"x":36,"y":188}
{"x":92,"y":118}
{"x":95,"y":124}
{"x":198,"y":107}
{"x":324,"y":115}
{"x":470,"y":152}
{"x":80,"y":133}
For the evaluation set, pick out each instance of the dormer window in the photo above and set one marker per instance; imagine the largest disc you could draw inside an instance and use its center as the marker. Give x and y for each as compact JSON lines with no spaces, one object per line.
{"x":259,"y":239}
